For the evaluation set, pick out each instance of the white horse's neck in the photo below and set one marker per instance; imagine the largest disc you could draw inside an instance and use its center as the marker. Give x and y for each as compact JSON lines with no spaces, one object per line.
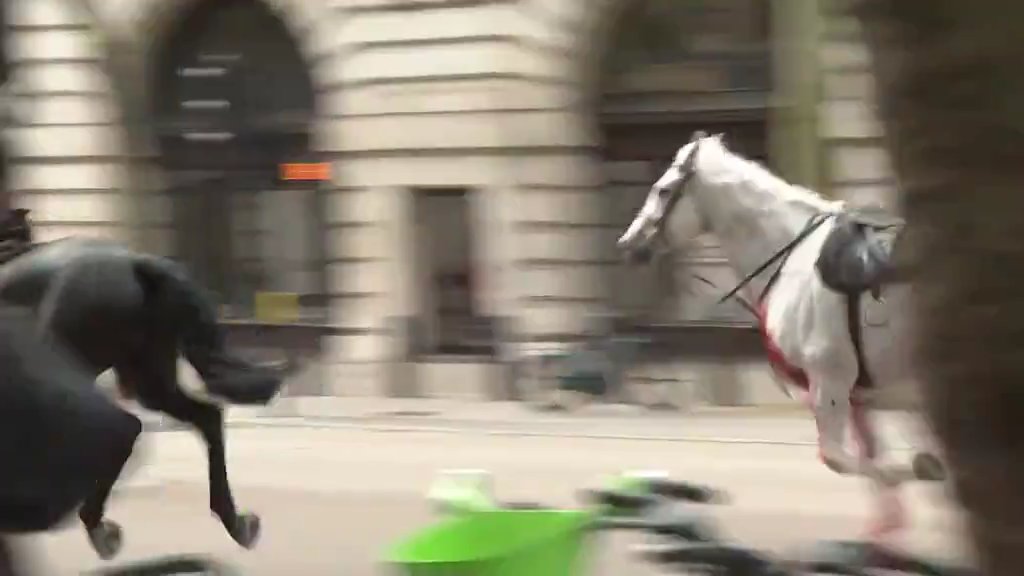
{"x":752,"y":212}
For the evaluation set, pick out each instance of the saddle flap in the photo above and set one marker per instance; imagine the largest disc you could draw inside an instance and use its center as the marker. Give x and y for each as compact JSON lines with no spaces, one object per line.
{"x":855,"y":257}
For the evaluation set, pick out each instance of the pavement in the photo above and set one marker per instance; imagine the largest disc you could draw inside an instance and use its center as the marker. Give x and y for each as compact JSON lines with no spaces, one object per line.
{"x":334,"y":492}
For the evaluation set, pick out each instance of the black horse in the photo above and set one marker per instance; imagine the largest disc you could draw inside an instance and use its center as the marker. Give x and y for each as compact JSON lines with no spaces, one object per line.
{"x":114,"y":308}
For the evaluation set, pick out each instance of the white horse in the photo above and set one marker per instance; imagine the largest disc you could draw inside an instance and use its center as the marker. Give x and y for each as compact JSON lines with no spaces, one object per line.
{"x":805,"y":324}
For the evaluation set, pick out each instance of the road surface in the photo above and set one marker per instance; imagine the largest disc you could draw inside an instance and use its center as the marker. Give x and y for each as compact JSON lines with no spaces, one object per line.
{"x":332,"y":496}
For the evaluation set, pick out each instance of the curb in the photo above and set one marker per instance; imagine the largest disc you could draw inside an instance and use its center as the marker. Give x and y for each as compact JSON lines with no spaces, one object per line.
{"x":896,"y":442}
{"x":779,"y":426}
{"x":341,"y":424}
{"x":361,"y":407}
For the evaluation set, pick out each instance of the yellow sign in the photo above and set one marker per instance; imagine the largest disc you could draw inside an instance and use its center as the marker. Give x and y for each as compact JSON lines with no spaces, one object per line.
{"x":276,"y":307}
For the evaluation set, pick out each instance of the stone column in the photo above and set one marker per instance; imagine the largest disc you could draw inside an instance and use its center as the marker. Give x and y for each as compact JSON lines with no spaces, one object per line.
{"x":794,"y":124}
{"x":399,"y":358}
{"x":369,"y":271}
{"x":493,"y":213}
{"x":723,"y":384}
{"x":67,"y":144}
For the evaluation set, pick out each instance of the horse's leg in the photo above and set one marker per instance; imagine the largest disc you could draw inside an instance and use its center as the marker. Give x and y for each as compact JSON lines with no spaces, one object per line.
{"x":163,"y":393}
{"x":831,"y":391}
{"x":60,"y":315}
{"x":863,"y":432}
{"x":209,"y":421}
{"x":892,"y":515}
{"x":105,"y":535}
{"x":829,"y":400}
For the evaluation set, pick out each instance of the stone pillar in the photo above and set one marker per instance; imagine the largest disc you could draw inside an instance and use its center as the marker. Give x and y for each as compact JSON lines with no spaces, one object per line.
{"x":496,"y":297}
{"x":794,"y":124}
{"x":723,"y":384}
{"x":67,"y":145}
{"x":559,"y":245}
{"x":401,"y":369}
{"x":371,"y":277}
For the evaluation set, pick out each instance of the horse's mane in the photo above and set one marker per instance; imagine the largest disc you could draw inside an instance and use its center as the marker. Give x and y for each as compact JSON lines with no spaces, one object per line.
{"x":757,"y":176}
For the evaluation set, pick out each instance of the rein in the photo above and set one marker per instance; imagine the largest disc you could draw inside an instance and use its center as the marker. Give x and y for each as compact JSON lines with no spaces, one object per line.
{"x":812,"y":224}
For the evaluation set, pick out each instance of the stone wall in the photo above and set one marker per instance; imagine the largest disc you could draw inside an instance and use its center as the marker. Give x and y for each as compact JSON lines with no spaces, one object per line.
{"x":857,"y":165}
{"x":65,"y":149}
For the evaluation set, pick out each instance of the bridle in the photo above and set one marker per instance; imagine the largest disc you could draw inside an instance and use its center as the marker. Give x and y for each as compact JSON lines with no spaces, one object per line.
{"x":780,"y":256}
{"x":688,"y":170}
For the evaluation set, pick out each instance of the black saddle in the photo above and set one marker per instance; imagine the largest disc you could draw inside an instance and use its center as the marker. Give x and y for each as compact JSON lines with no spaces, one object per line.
{"x":16,"y":226}
{"x":856,"y":255}
{"x":15,"y":235}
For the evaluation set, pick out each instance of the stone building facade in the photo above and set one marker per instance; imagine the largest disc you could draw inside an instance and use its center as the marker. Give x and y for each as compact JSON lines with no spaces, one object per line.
{"x":542,"y":116}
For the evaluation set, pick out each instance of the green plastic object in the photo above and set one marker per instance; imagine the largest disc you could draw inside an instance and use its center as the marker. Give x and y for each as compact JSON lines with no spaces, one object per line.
{"x":497,"y":543}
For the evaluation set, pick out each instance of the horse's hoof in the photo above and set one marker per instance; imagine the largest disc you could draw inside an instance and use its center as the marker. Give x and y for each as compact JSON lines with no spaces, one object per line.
{"x":106,"y":539}
{"x":928,"y":467}
{"x":246,"y":531}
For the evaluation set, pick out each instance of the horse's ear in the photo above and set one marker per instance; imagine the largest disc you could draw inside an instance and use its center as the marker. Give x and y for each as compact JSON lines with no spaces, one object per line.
{"x":698,"y":136}
{"x":691,"y":159}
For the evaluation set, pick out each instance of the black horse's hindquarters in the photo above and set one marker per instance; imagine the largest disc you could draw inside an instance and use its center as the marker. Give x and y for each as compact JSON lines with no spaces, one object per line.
{"x":135,"y":313}
{"x":57,"y":430}
{"x":115,"y":308}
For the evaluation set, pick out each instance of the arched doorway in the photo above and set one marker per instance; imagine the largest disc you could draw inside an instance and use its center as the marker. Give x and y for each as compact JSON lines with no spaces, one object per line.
{"x":671,"y":67}
{"x":233,"y":102}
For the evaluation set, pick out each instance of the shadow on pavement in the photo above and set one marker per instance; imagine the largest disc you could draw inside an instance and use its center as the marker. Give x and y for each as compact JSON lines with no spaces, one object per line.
{"x":170,"y":565}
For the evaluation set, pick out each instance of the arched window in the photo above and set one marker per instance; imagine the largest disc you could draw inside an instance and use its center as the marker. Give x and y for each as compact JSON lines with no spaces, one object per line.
{"x":671,"y":67}
{"x":233,"y":102}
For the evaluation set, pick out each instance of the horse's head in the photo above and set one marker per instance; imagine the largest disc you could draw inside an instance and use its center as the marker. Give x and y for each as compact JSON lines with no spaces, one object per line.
{"x":663,"y":201}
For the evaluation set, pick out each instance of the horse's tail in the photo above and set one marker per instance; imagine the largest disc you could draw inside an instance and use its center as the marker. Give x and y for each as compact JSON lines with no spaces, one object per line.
{"x":179,"y":303}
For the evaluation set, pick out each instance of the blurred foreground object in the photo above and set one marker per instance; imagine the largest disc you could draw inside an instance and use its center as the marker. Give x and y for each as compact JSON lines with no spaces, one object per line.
{"x":951,"y":95}
{"x":491,"y":538}
{"x":58,"y":434}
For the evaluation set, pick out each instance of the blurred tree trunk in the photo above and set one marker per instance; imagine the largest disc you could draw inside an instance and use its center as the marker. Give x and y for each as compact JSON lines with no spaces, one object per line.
{"x":951,"y":93}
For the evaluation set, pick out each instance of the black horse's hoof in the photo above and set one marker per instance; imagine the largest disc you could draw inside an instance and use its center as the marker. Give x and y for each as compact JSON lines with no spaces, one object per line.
{"x":928,"y":467}
{"x":246,"y":531}
{"x":106,"y":539}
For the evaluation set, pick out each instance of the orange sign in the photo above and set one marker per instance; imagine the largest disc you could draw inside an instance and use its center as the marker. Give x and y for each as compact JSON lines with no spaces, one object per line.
{"x":305,"y":171}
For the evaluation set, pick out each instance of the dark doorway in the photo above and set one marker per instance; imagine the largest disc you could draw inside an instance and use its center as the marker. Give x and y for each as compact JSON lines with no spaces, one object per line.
{"x":449,"y":320}
{"x":233,"y":102}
